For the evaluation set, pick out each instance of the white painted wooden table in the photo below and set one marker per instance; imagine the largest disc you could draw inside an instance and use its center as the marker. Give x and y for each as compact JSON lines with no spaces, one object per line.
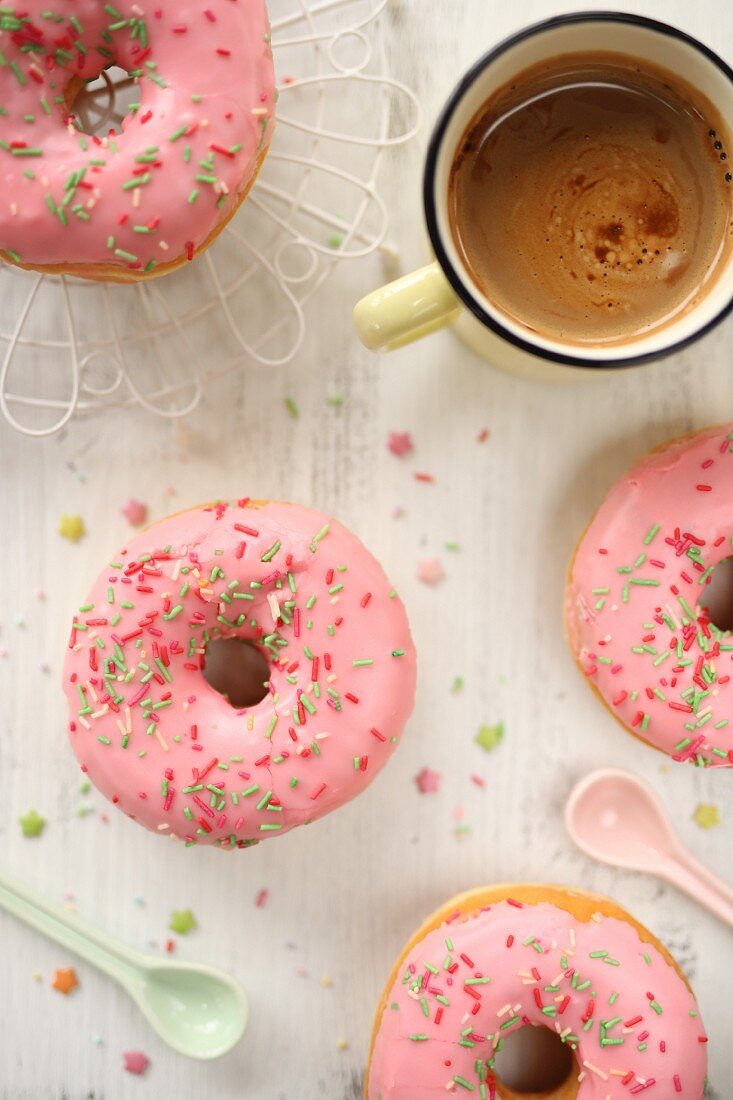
{"x":345,"y":893}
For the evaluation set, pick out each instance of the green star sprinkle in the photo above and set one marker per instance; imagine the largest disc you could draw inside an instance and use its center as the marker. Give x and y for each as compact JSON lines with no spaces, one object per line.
{"x":32,"y":823}
{"x":182,"y":921}
{"x":488,"y":737}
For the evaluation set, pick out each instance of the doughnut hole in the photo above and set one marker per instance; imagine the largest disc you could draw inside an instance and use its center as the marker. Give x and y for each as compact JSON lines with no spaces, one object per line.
{"x":534,"y":1060}
{"x":717,"y":596}
{"x":103,"y":103}
{"x":238,"y":670}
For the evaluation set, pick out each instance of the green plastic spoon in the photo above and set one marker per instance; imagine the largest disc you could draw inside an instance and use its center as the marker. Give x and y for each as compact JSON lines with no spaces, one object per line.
{"x":197,"y":1010}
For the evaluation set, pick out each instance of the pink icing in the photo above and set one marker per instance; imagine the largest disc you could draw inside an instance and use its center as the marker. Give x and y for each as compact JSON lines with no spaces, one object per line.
{"x":206,"y":108}
{"x":633,"y":602}
{"x":165,"y":746}
{"x":495,"y":972}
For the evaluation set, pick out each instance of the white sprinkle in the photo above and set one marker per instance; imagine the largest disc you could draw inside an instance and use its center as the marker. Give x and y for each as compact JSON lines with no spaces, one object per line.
{"x":274,"y":607}
{"x":596,"y":1070}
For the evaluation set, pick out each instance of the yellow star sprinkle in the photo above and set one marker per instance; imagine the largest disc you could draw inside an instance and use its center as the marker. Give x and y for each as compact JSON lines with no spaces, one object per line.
{"x":707,"y":815}
{"x":72,"y":528}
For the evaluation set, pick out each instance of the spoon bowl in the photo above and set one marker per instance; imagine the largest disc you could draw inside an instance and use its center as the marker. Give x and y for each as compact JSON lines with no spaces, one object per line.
{"x":615,"y":817}
{"x":198,"y":1011}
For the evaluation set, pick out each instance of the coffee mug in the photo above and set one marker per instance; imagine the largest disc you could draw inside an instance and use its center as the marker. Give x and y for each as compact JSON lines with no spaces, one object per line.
{"x":443,"y":293}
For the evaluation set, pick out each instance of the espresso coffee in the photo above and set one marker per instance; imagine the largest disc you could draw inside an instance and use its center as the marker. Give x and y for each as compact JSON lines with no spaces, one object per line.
{"x":591,"y":200}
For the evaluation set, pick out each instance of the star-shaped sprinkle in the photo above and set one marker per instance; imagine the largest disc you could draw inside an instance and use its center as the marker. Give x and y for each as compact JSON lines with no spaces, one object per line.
{"x":72,"y":528}
{"x":135,"y":1061}
{"x":707,"y":815}
{"x":32,"y":823}
{"x":182,"y":921}
{"x":400,"y":443}
{"x":65,"y":981}
{"x":135,"y":512}
{"x":427,"y":781}
{"x":488,"y":737}
{"x":430,"y":571}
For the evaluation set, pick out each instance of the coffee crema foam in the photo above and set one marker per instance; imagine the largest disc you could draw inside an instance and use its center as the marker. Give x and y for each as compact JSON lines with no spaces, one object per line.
{"x":591,"y":199}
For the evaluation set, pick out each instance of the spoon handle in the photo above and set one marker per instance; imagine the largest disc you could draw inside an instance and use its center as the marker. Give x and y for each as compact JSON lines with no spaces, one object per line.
{"x":707,"y":876}
{"x":72,"y":932}
{"x":701,"y":884}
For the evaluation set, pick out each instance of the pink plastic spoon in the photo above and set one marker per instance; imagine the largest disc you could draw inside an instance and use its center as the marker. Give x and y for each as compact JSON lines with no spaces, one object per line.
{"x":615,"y":817}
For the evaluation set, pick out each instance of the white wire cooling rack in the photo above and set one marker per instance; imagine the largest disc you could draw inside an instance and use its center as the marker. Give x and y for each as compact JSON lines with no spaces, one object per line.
{"x":72,"y":347}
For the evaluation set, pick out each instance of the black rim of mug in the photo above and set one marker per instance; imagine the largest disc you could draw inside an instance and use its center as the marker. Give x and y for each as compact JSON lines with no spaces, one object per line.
{"x":430,"y":205}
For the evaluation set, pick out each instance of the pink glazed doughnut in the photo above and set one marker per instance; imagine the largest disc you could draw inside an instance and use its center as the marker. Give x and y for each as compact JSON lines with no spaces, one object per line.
{"x":142,"y":201}
{"x":635,"y":600}
{"x":498,"y":959}
{"x":161,"y":743}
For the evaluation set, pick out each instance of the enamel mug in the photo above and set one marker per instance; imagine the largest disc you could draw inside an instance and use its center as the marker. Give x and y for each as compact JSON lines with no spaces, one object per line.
{"x":443,"y":293}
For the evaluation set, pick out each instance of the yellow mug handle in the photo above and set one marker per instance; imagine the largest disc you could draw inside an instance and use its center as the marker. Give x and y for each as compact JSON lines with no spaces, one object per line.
{"x":405,"y":310}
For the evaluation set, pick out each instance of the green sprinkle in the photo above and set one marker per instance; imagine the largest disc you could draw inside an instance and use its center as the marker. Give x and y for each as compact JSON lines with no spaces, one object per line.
{"x":270,"y":554}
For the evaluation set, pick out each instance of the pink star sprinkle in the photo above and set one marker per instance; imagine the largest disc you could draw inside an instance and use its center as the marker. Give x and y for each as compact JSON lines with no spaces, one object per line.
{"x":427,"y":781}
{"x":400,"y":443}
{"x":430,"y":571}
{"x":135,"y":512}
{"x":135,"y":1061}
